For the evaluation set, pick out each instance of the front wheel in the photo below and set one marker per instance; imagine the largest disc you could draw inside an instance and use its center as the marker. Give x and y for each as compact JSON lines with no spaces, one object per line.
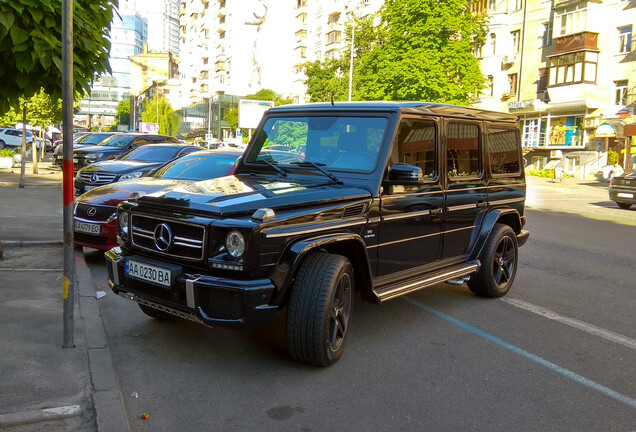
{"x":320,"y":307}
{"x":498,"y":264}
{"x":2,"y":144}
{"x":624,"y":205}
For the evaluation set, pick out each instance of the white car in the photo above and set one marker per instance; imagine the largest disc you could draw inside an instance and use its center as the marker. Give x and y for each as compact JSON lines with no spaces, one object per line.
{"x":10,"y":137}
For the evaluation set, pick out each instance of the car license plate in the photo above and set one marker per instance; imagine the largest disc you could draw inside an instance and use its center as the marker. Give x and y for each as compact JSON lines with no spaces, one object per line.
{"x":87,"y":188}
{"x":625,"y":195}
{"x":148,"y":273}
{"x":88,"y":228}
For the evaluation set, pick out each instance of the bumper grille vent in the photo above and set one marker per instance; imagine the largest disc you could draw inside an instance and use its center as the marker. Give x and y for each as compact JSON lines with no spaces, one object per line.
{"x":185,"y":240}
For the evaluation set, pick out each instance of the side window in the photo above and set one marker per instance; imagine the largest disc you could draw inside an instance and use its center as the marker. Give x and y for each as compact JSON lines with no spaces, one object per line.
{"x":140,"y":141}
{"x":462,"y":151}
{"x":416,"y":145}
{"x":503,"y":152}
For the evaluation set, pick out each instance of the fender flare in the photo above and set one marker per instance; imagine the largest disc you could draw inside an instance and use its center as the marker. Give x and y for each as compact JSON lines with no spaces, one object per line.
{"x":486,"y":221}
{"x":295,"y":252}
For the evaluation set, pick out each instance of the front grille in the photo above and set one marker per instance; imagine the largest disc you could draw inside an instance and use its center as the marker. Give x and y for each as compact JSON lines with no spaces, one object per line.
{"x":97,"y":178}
{"x":101,"y":214}
{"x":187,"y":240}
{"x":91,"y":239}
{"x":220,"y":304}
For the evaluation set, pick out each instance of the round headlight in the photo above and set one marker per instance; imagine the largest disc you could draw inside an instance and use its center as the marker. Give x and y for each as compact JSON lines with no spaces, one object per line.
{"x":122,"y":221}
{"x":235,"y":244}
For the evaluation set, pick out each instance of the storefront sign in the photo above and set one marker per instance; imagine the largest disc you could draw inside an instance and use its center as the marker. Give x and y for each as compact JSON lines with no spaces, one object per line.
{"x":521,"y":105}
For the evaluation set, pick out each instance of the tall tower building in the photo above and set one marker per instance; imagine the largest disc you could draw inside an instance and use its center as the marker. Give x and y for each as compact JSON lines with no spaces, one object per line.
{"x":163,"y":24}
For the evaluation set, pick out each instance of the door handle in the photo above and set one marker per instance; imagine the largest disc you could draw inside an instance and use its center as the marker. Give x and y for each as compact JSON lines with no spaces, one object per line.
{"x":435,"y":211}
{"x":481,"y":204}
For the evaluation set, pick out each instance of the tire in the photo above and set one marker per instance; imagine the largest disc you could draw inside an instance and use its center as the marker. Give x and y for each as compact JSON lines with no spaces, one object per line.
{"x":156,"y":314}
{"x":2,"y":144}
{"x":624,"y":205}
{"x":319,"y":310}
{"x":498,"y":264}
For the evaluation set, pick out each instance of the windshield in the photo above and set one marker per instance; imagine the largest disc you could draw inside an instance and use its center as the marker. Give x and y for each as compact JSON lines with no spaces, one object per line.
{"x":117,"y":141}
{"x":151,"y":153}
{"x":197,"y":167}
{"x":334,"y":143}
{"x":95,"y":138}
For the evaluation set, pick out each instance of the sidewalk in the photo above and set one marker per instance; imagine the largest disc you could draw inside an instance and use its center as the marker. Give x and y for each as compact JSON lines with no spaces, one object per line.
{"x":44,"y":386}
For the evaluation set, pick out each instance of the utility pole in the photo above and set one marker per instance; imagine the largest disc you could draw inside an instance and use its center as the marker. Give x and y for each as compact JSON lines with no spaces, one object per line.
{"x":68,"y":281}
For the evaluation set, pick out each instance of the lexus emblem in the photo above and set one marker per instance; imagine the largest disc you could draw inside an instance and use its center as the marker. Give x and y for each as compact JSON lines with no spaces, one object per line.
{"x":163,"y":237}
{"x":91,"y":211}
{"x":94,"y":178}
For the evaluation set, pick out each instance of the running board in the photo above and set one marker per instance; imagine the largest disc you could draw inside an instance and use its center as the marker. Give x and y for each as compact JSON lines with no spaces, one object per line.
{"x":413,"y":284}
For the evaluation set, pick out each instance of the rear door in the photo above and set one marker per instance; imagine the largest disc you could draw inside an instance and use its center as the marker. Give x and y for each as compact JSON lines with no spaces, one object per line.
{"x":466,"y":193}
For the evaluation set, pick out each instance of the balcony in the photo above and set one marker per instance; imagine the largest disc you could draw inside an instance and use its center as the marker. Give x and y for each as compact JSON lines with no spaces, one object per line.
{"x":576,"y":42}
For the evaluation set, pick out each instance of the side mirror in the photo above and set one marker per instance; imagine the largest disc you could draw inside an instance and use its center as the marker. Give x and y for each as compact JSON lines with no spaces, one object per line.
{"x":407,"y":175}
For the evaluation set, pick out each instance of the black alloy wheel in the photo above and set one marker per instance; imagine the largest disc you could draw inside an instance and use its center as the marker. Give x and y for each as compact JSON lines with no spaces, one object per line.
{"x":319,"y":310}
{"x":498,"y":264}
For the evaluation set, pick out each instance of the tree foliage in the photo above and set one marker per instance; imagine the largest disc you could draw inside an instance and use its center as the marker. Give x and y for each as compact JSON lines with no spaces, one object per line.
{"x":31,"y":46}
{"x":169,"y":121}
{"x":420,"y":50}
{"x":270,"y":95}
{"x":122,"y":114}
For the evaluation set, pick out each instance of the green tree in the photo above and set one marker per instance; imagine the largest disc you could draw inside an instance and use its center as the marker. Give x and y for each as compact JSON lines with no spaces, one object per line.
{"x":270,"y":95}
{"x":31,"y":47}
{"x":169,"y":121}
{"x":122,"y":114}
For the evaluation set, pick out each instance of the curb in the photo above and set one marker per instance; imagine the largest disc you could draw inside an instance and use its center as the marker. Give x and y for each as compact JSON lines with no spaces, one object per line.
{"x":107,"y":398}
{"x":36,"y":416}
{"x":25,"y":243}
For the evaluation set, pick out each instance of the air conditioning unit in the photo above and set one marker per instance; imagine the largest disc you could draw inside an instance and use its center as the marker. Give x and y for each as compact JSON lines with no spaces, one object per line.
{"x":508,"y":59}
{"x":590,"y":122}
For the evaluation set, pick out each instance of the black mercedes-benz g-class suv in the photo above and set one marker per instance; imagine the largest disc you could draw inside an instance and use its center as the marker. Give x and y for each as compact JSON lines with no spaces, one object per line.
{"x":384,"y":199}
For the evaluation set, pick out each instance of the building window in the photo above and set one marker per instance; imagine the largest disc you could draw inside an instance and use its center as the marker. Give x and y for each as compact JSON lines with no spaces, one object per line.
{"x":624,"y":39}
{"x":301,"y":3}
{"x":493,"y":43}
{"x":301,"y":35}
{"x":301,"y":18}
{"x":546,"y":38}
{"x":517,"y":5}
{"x":333,"y":36}
{"x":492,"y":5}
{"x":490,"y":85}
{"x":573,"y":68}
{"x":516,"y":40}
{"x":621,"y":92}
{"x":512,"y":82}
{"x":571,"y":21}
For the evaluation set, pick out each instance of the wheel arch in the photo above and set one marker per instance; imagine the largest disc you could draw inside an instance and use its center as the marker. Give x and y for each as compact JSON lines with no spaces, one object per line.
{"x":488,"y":220}
{"x":348,"y":245}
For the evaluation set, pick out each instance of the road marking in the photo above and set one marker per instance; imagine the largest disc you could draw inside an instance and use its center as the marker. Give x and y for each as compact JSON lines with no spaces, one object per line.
{"x":580,"y":325}
{"x":551,"y":366}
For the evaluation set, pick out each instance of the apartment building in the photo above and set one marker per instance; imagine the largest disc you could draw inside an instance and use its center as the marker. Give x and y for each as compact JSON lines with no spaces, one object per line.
{"x":568,"y":69}
{"x":163,"y":24}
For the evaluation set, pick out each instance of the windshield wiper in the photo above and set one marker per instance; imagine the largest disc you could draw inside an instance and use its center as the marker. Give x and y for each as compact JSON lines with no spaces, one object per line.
{"x":316,"y":165}
{"x":278,"y":169}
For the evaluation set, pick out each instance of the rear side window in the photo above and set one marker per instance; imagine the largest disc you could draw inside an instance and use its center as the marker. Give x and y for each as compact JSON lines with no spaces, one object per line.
{"x":462,"y":151}
{"x":503,"y":152}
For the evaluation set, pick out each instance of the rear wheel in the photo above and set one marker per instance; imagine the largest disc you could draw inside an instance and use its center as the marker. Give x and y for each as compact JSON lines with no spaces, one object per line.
{"x":156,"y":314}
{"x":624,"y":205}
{"x":320,"y":307}
{"x":2,"y":144}
{"x":498,"y":264}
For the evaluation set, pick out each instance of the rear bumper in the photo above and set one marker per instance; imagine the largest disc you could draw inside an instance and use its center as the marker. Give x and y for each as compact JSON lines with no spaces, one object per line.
{"x":211,"y":300}
{"x":627,"y":195}
{"x":106,"y":240}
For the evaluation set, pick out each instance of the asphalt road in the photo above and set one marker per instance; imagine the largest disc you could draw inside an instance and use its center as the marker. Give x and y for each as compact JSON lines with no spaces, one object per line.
{"x":558,"y":353}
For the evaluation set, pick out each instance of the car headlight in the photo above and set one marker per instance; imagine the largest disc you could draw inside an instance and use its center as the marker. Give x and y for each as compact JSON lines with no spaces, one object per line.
{"x":235,"y":244}
{"x":131,"y":175}
{"x":122,"y":223}
{"x":94,"y":155}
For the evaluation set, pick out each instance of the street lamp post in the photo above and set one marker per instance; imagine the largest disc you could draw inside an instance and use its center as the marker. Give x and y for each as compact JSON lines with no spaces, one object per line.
{"x":220,"y":93}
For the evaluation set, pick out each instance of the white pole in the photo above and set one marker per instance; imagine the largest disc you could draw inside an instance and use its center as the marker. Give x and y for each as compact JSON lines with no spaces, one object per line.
{"x":353,"y":35}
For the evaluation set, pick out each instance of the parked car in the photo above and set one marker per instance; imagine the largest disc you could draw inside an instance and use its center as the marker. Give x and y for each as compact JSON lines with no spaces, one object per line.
{"x":622,"y":190}
{"x":131,"y":165}
{"x":95,"y":219}
{"x":84,"y":139}
{"x":115,"y":146}
{"x":303,"y":233}
{"x":10,"y":137}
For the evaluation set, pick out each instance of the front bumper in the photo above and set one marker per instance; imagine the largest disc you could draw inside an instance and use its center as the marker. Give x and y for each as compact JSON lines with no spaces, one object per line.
{"x":106,"y":240}
{"x":211,"y":300}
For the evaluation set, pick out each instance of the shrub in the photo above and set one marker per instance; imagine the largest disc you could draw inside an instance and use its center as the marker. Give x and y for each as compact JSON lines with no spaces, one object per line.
{"x":612,"y":157}
{"x":544,"y":173}
{"x":7,"y":153}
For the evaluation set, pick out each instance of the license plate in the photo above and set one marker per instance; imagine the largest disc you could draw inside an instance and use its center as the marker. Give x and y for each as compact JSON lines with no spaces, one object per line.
{"x":88,"y":228}
{"x":87,"y":188}
{"x":625,"y":195}
{"x":148,"y":273}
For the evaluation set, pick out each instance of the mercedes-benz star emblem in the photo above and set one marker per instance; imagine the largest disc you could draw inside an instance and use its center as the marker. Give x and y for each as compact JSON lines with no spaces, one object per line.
{"x":163,"y":237}
{"x":91,"y":211}
{"x":94,"y":178}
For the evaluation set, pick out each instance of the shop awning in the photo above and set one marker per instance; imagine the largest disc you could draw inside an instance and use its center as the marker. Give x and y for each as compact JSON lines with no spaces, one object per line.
{"x":610,"y":129}
{"x":630,"y":130}
{"x":578,"y":105}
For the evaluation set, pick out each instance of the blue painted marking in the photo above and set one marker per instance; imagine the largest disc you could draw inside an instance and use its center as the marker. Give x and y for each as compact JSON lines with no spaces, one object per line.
{"x":558,"y":369}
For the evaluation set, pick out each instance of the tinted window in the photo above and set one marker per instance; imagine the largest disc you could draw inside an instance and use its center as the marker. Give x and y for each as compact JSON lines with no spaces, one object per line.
{"x":118,"y":141}
{"x":197,"y":167}
{"x":96,"y":138}
{"x":416,"y":145}
{"x":152,"y":154}
{"x":503,"y":152}
{"x":462,"y":150}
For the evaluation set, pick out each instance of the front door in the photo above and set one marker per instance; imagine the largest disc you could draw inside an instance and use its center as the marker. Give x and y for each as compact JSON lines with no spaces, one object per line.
{"x":410,"y":232}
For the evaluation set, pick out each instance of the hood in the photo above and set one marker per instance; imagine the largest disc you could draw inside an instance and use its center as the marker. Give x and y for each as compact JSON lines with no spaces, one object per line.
{"x":99,"y":149}
{"x":114,"y":193}
{"x":120,"y":166}
{"x":231,"y":194}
